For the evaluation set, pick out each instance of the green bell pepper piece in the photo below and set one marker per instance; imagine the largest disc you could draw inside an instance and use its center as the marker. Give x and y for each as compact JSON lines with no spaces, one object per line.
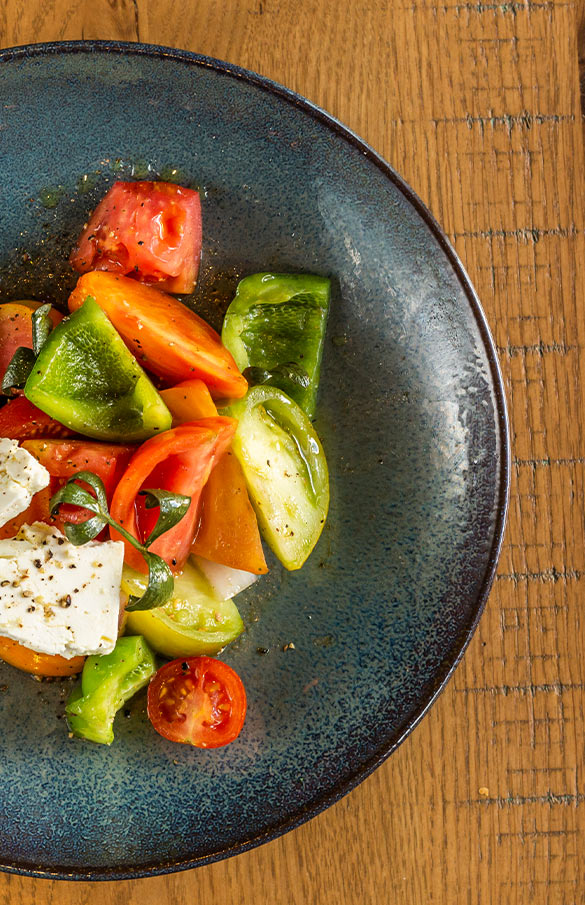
{"x":106,"y":684}
{"x":285,"y":470}
{"x":275,"y":330}
{"x":87,"y":379}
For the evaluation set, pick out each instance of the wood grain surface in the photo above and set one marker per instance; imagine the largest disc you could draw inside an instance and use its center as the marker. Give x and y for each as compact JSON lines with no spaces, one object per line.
{"x":477,"y":105}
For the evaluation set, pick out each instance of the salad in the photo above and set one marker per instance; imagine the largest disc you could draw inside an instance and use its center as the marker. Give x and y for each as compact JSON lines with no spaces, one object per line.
{"x":142,"y":459}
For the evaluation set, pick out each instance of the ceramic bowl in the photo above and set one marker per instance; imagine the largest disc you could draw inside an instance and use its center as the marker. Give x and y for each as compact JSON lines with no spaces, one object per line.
{"x":411,"y":413}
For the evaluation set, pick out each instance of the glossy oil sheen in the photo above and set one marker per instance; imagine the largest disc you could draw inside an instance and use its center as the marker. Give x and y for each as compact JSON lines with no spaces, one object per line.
{"x":410,"y":411}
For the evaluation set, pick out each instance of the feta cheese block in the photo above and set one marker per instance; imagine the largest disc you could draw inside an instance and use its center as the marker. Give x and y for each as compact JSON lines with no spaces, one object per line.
{"x":21,"y":476}
{"x":56,"y":598}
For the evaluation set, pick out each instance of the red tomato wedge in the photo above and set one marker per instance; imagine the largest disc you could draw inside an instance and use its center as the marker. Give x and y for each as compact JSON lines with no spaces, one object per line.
{"x":197,"y":701}
{"x":16,"y":329}
{"x":166,"y":337}
{"x":38,"y":511}
{"x":21,"y":420}
{"x":39,"y":664}
{"x":150,"y":231}
{"x":189,"y":401}
{"x":179,"y":460}
{"x":228,"y":529}
{"x":64,"y":458}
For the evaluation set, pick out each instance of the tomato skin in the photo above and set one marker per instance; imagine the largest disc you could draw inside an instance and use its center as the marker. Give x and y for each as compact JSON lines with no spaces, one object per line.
{"x":150,"y":231}
{"x":179,"y":460}
{"x":21,"y":420}
{"x":165,"y":336}
{"x":197,"y":701}
{"x":38,"y":664}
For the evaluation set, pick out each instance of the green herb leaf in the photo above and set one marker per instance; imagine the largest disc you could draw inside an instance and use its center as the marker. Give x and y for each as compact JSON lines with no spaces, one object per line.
{"x":81,"y":532}
{"x":173,"y":506}
{"x":21,"y":364}
{"x":41,"y":327}
{"x":75,"y":495}
{"x":160,"y":585}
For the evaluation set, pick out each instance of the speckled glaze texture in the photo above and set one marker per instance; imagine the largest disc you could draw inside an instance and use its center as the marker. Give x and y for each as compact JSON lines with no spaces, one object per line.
{"x":411,"y":413}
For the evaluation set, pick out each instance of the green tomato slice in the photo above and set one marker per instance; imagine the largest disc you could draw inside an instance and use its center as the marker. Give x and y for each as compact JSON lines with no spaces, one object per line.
{"x":285,"y":470}
{"x":86,"y":378}
{"x":193,"y":622}
{"x":275,"y":330}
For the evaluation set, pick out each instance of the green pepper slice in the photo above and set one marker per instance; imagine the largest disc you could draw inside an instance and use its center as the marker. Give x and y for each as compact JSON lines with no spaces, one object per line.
{"x":285,"y":470}
{"x":86,"y":378}
{"x":193,"y":622}
{"x":106,"y":684}
{"x":275,"y":330}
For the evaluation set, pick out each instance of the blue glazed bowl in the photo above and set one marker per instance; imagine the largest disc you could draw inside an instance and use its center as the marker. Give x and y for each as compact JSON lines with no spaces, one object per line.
{"x":411,"y":413}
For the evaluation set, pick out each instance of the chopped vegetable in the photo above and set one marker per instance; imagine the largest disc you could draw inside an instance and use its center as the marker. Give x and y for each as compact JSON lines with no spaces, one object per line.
{"x":38,"y":664}
{"x":148,"y":230}
{"x":166,"y":337}
{"x":275,"y":329}
{"x":225,"y":582}
{"x":198,"y":701}
{"x":21,"y":420}
{"x":194,"y":621}
{"x":285,"y":470}
{"x":189,"y":401}
{"x":106,"y":684}
{"x":86,"y":378}
{"x":180,"y":461}
{"x":228,"y":528}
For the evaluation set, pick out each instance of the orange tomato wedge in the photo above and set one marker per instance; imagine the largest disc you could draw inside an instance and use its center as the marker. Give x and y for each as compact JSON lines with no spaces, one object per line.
{"x":228,"y":529}
{"x":39,"y":664}
{"x":166,"y":337}
{"x":189,"y":401}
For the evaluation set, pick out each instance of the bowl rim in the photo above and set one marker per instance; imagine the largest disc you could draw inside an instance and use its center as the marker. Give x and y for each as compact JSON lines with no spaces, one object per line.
{"x":342,"y":787}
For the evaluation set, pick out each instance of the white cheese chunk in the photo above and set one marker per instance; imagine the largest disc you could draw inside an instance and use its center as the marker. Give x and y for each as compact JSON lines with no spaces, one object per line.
{"x":56,"y":598}
{"x":21,"y":476}
{"x":226,"y":582}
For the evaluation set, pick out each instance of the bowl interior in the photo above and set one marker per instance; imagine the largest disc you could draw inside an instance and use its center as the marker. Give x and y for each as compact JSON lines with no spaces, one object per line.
{"x":411,"y":417}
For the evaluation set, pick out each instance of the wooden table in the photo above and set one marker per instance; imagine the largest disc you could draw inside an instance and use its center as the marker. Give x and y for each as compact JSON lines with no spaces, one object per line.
{"x":477,"y":105}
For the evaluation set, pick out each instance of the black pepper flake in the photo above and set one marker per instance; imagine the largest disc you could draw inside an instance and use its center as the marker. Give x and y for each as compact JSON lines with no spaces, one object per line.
{"x":37,"y":564}
{"x":72,"y":566}
{"x":185,"y":666}
{"x":4,"y":583}
{"x":174,"y":562}
{"x":65,"y":602}
{"x":30,"y":609}
{"x":60,"y":541}
{"x":262,"y":650}
{"x":49,"y":554}
{"x":76,"y":590}
{"x":51,"y":577}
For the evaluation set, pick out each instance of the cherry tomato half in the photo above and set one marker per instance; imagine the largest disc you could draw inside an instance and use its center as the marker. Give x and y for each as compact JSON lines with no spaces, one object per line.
{"x":198,"y":701}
